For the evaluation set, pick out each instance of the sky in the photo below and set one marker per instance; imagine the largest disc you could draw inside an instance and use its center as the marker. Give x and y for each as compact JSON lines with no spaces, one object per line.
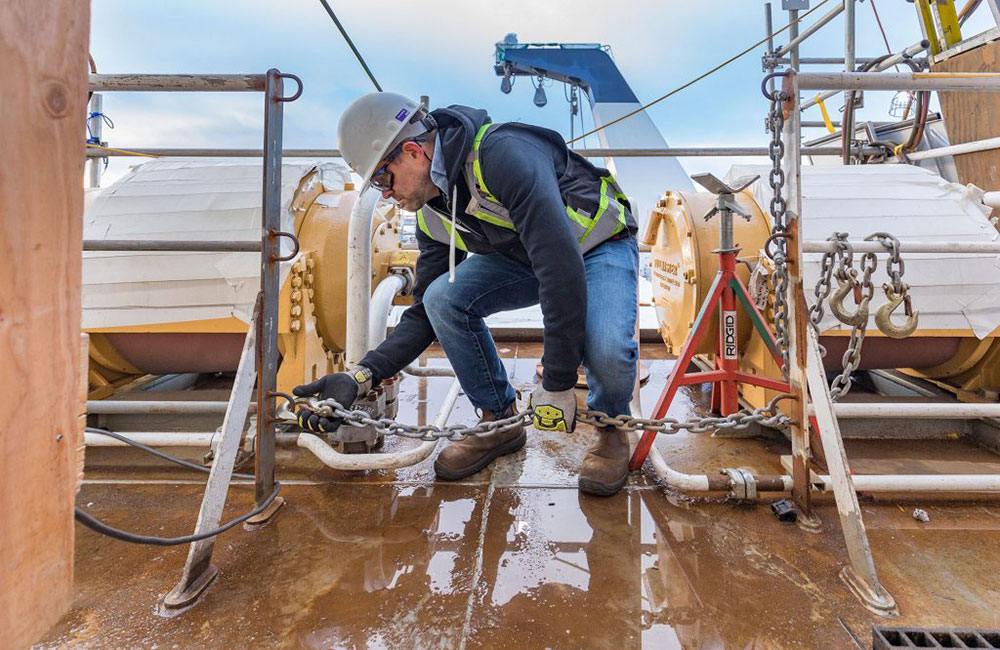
{"x":445,"y":49}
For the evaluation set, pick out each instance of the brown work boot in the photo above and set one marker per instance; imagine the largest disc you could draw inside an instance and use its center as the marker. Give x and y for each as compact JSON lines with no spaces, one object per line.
{"x":467,"y":456}
{"x":605,"y":467}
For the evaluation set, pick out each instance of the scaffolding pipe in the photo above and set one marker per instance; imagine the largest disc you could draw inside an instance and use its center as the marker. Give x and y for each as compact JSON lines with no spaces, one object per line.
{"x":847,"y":121}
{"x":823,"y":60}
{"x":161,"y":407}
{"x":360,"y":462}
{"x":675,"y":152}
{"x":810,"y":30}
{"x":956,"y":149}
{"x":991,"y":247}
{"x":177,"y":246}
{"x":936,"y":81}
{"x":359,"y":275}
{"x":908,"y":52}
{"x":177,"y":82}
{"x":95,"y":126}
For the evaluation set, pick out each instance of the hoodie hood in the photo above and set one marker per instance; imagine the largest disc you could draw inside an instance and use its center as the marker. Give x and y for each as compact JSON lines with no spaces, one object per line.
{"x":457,"y":128}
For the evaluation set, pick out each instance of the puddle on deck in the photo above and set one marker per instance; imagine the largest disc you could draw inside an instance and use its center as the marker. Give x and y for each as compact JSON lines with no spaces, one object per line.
{"x":515,"y":557}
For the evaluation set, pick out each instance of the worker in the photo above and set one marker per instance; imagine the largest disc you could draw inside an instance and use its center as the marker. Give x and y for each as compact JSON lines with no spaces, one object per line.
{"x":543,"y":226}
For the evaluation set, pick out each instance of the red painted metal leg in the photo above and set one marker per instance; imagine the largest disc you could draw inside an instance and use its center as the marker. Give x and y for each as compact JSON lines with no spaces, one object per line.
{"x":729,"y":400}
{"x":683,"y":360}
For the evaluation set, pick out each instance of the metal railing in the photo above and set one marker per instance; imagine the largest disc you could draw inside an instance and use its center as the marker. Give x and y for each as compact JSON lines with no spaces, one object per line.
{"x":271,"y":84}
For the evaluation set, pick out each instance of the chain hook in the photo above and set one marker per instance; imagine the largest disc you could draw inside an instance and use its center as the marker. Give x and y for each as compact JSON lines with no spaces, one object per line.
{"x":858,"y":317}
{"x":883,"y":316}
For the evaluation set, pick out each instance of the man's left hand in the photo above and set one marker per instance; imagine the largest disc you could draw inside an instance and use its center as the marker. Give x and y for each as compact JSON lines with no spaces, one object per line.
{"x":553,"y":410}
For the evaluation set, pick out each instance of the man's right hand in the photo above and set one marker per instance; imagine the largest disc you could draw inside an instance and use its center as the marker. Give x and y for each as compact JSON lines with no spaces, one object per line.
{"x":344,"y":387}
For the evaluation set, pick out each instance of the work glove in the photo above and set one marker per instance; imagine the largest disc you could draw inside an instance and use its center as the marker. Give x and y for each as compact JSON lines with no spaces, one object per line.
{"x":553,"y":410}
{"x":341,"y":386}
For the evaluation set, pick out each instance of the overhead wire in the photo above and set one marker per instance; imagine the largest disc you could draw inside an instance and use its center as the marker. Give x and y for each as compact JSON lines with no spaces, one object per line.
{"x":699,"y":77}
{"x":99,"y":526}
{"x":347,"y":38}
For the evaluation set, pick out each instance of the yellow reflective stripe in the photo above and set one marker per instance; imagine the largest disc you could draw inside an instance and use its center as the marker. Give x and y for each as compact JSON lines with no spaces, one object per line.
{"x":585,"y":222}
{"x":601,"y":208}
{"x":458,"y":236}
{"x":423,"y":224}
{"x":489,"y":218}
{"x":477,"y":170}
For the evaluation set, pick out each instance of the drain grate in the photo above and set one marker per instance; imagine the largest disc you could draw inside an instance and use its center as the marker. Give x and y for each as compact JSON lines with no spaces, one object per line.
{"x":891,"y":638}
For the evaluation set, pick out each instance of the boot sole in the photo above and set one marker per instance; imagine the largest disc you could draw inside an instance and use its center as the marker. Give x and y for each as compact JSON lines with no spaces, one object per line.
{"x":599,"y":489}
{"x":508,"y":447}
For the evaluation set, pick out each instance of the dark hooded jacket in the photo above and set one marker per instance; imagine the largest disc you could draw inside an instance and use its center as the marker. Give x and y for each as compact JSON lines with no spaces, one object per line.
{"x":529,"y":170}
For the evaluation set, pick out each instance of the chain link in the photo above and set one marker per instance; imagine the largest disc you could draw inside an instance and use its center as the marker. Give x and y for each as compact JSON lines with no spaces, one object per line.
{"x":768,"y":416}
{"x":776,"y":179}
{"x":840,"y":263}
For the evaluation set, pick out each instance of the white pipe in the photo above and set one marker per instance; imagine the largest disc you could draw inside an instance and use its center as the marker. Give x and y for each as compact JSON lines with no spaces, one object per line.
{"x":678,"y":480}
{"x":381,"y":307}
{"x":990,"y":247}
{"x":955,"y":149}
{"x":921,"y":482}
{"x":151,"y":439}
{"x":991,"y":199}
{"x":355,"y":462}
{"x":915,"y":410}
{"x":359,"y":274}
{"x":429,"y":371}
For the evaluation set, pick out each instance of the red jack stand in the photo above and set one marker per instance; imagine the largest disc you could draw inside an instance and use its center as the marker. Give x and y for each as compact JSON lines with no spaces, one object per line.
{"x":726,"y":288}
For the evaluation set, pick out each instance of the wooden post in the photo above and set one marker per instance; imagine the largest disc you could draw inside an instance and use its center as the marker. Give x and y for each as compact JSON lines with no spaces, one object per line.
{"x":43,"y":46}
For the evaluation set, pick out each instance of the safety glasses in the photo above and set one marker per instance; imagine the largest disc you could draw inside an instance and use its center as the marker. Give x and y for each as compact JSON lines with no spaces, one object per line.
{"x":383,"y":179}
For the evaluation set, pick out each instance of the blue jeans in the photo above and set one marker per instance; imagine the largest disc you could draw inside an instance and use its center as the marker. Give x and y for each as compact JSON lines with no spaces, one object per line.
{"x":487,"y":284}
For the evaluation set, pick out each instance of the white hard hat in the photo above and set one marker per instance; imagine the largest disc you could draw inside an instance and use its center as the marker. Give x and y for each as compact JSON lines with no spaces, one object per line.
{"x":372,"y":125}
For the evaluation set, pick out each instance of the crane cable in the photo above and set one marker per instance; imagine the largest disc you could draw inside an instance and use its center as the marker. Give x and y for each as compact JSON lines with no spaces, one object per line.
{"x":347,"y":38}
{"x":699,"y":78}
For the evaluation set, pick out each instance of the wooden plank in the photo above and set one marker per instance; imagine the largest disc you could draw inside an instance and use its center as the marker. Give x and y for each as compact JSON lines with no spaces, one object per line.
{"x":971,"y":116}
{"x":43,"y":46}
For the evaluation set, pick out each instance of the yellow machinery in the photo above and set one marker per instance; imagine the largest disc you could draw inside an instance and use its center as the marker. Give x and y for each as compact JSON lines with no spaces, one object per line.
{"x":312,"y":314}
{"x":683,"y":267}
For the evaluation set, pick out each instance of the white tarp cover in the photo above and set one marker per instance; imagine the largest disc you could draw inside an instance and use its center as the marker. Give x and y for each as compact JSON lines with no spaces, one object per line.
{"x":191,"y":200}
{"x":951,"y":291}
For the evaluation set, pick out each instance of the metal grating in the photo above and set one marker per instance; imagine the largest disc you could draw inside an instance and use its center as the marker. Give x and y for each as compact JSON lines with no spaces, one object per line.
{"x":892,"y":638}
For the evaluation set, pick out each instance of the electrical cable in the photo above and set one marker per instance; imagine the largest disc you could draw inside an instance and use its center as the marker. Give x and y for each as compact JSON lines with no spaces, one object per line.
{"x":123,"y":535}
{"x":700,"y":77}
{"x":347,"y":38}
{"x":885,"y":39}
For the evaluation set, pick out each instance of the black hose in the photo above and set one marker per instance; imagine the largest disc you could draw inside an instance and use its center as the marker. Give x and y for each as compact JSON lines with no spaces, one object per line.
{"x":133,"y":538}
{"x":125,"y":536}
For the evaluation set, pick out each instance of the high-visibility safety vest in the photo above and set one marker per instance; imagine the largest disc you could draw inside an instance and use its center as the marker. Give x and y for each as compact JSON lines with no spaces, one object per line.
{"x":590,"y":230}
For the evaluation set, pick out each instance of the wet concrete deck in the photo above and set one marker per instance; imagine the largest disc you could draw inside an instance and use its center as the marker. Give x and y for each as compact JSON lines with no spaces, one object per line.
{"x":515,"y":557}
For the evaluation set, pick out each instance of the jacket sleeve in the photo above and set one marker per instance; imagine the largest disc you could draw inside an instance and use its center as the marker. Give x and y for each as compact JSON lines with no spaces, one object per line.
{"x":520,"y":170}
{"x":414,"y":333}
